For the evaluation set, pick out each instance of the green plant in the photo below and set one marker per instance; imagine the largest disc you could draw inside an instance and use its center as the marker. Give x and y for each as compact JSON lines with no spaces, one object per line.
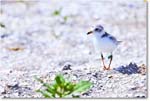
{"x":63,"y":88}
{"x":57,"y":12}
{"x":65,"y":18}
{"x":2,"y":25}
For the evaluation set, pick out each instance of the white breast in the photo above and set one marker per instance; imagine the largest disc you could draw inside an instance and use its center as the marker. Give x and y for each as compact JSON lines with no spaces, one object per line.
{"x":103,"y":44}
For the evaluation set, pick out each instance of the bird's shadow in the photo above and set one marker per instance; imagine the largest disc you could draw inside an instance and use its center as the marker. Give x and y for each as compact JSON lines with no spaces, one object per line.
{"x":132,"y":68}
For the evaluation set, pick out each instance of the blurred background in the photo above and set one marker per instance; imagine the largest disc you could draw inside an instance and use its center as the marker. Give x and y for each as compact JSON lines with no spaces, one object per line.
{"x":45,"y":34}
{"x":38,"y":37}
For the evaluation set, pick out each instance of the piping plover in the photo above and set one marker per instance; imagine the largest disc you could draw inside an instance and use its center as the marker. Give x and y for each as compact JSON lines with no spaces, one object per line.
{"x":104,"y":43}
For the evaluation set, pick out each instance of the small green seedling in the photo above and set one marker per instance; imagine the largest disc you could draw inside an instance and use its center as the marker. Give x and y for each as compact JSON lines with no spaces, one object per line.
{"x":65,"y":18}
{"x":57,"y":12}
{"x":62,"y":88}
{"x":2,"y":25}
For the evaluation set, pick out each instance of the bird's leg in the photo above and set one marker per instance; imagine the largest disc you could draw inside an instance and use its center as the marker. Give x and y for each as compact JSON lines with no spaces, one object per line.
{"x":102,"y":57}
{"x":111,"y":57}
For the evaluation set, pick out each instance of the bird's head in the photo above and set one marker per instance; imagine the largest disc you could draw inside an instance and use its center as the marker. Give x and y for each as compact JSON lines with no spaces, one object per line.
{"x":98,"y":29}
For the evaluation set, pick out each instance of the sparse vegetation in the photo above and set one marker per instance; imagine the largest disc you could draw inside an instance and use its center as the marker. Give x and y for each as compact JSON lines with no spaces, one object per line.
{"x":2,"y":25}
{"x":58,"y":13}
{"x":62,"y":88}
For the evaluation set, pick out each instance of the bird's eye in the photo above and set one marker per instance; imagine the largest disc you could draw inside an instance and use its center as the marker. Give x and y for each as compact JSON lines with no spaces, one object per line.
{"x":96,"y":29}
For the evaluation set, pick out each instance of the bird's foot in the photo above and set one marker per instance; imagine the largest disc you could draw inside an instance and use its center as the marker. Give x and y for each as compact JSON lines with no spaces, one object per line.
{"x":106,"y":68}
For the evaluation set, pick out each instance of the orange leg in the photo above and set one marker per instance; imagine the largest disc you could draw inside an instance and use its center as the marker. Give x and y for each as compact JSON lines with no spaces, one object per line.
{"x":102,"y":57}
{"x":111,"y":57}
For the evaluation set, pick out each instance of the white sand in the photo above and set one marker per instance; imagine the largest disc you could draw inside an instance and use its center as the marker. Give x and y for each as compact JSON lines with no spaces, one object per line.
{"x":46,"y":42}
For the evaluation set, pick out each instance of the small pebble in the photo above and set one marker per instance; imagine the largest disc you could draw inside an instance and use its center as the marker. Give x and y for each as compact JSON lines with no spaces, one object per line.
{"x":96,"y":75}
{"x":67,"y":67}
{"x":4,"y":36}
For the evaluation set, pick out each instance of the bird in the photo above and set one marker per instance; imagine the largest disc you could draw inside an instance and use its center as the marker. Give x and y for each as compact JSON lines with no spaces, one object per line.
{"x":104,"y":43}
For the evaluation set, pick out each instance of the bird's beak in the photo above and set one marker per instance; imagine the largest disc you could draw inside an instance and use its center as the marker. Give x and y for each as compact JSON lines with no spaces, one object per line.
{"x":90,"y":32}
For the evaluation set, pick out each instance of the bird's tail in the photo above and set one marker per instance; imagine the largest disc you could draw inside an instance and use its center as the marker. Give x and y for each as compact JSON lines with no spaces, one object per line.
{"x":118,"y":42}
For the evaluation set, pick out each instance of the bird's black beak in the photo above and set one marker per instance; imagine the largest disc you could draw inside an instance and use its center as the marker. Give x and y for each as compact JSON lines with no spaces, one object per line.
{"x":90,"y":32}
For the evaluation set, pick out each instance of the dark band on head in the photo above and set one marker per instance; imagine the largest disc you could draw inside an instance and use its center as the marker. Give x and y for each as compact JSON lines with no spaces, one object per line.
{"x":99,"y":28}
